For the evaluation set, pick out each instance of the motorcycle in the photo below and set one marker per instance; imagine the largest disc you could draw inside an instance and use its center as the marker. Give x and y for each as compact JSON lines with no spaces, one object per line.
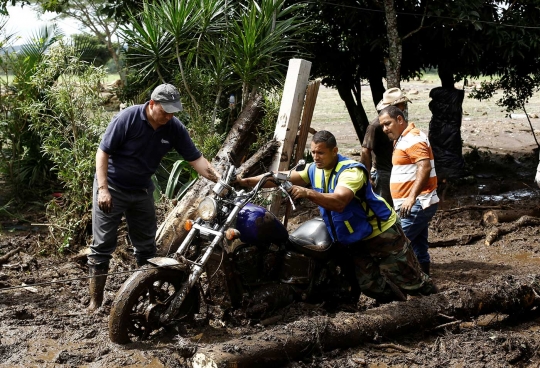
{"x":250,"y":261}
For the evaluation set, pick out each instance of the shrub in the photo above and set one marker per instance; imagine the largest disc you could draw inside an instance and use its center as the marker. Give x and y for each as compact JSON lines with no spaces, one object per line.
{"x":70,"y":119}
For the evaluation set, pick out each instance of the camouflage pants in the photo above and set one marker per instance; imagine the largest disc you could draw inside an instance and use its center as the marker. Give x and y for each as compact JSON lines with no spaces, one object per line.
{"x":389,"y":256}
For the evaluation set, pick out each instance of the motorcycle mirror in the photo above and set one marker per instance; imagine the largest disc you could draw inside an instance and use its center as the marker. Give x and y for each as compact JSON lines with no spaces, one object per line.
{"x":301,"y":165}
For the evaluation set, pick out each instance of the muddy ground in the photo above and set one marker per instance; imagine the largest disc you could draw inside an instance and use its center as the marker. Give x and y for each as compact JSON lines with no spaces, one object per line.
{"x":47,"y":326}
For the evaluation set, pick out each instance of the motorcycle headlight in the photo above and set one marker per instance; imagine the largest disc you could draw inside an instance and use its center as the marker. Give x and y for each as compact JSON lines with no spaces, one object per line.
{"x":207,"y":209}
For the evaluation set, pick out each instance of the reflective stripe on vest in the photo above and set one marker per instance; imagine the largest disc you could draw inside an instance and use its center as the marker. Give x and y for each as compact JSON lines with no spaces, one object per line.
{"x":352,"y":224}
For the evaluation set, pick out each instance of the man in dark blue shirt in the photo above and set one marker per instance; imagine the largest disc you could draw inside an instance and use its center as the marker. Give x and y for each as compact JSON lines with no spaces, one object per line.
{"x":129,"y":154}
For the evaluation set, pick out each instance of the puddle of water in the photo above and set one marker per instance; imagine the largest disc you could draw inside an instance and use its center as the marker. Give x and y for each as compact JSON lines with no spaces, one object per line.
{"x":513,"y":195}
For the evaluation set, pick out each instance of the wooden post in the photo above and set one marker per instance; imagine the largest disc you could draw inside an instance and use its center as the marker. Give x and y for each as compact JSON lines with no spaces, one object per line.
{"x":290,"y":110}
{"x":305,"y":125}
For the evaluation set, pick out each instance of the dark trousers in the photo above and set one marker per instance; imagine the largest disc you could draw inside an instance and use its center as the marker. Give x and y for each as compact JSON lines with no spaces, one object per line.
{"x":138,"y":208}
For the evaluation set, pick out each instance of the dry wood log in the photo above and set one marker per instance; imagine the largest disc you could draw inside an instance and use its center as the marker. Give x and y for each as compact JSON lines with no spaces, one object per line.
{"x":494,"y":233}
{"x":260,"y":160}
{"x":171,"y":232}
{"x":5,"y":258}
{"x":506,"y":294}
{"x":493,"y":217}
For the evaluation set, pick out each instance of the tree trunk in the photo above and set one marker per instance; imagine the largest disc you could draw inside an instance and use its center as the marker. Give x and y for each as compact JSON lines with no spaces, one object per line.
{"x":260,"y":161}
{"x":446,"y":75}
{"x":376,"y":85}
{"x":235,"y":148}
{"x":497,"y":216}
{"x":278,"y":345}
{"x":393,"y":61}
{"x":354,"y":107}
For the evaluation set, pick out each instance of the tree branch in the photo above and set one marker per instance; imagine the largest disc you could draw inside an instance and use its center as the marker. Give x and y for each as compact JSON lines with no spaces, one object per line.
{"x":421,"y":26}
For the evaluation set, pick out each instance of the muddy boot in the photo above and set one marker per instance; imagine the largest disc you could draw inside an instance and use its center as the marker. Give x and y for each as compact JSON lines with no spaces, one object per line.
{"x":425,"y":267}
{"x":97,"y":284}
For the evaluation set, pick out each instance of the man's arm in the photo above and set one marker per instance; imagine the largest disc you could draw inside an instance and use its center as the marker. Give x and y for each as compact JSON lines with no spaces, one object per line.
{"x":423,"y":168}
{"x":336,"y":201}
{"x":205,"y":169}
{"x":104,"y":197}
{"x":366,"y":158}
{"x":296,"y":179}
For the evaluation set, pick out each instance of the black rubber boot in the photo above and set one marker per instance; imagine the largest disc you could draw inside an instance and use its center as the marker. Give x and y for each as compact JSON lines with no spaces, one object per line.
{"x":98,"y":277}
{"x":425,"y":267}
{"x":141,"y":263}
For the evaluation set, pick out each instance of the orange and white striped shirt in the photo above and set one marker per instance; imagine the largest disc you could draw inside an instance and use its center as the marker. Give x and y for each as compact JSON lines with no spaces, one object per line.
{"x":411,"y":147}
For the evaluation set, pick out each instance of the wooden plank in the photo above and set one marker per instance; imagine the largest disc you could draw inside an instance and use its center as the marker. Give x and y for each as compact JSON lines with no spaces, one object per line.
{"x":290,"y":111}
{"x":307,"y":115}
{"x":305,"y":127}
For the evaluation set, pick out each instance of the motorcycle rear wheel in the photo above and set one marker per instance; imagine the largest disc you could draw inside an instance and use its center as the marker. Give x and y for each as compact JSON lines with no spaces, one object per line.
{"x":143,"y":298}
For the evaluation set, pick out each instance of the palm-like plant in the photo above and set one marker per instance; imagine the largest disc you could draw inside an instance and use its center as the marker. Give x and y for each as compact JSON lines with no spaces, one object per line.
{"x":253,"y":43}
{"x":149,"y":43}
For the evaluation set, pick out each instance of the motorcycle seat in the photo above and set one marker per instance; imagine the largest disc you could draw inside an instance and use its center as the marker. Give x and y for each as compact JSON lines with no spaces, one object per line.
{"x":312,"y":238}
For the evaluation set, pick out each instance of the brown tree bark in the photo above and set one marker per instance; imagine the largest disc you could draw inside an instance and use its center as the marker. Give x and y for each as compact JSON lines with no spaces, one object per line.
{"x":493,"y":217}
{"x":350,"y":94}
{"x":494,"y":233}
{"x":235,"y":148}
{"x":395,"y":49}
{"x":284,"y":343}
{"x":5,"y":258}
{"x":259,"y":162}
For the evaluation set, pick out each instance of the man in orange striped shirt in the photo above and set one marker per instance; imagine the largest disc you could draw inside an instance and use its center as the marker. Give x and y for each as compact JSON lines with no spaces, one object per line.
{"x":413,"y":182}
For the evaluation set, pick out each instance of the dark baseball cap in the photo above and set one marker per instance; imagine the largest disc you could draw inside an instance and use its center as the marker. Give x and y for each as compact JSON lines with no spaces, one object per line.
{"x":168,"y":96}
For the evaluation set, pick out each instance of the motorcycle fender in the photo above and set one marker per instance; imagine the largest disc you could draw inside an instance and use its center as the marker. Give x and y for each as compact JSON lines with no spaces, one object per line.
{"x":163,"y":261}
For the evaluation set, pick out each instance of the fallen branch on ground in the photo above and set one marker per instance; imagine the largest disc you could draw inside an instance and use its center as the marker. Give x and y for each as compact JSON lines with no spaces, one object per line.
{"x":493,"y":217}
{"x":403,"y":349}
{"x":459,"y":240}
{"x":506,"y":294}
{"x":5,"y":258}
{"x":508,"y":228}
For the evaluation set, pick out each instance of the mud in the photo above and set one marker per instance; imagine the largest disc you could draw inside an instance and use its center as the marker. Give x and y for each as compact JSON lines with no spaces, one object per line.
{"x":48,"y":326}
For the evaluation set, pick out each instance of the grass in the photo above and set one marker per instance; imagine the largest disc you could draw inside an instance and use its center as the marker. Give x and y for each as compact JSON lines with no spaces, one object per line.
{"x":331,"y":110}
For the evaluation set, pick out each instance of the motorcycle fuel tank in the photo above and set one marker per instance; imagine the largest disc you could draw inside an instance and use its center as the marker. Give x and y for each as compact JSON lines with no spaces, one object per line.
{"x":257,"y":225}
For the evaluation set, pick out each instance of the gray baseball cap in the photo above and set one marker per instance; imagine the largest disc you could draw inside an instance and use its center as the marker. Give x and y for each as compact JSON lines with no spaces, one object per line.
{"x":168,"y":96}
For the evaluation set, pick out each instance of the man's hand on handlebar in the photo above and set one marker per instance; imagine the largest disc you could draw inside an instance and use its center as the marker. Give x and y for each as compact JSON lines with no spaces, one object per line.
{"x":297,"y":192}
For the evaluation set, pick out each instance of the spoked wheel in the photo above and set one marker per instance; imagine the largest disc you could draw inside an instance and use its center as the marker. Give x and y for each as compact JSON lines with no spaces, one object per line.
{"x":143,"y":298}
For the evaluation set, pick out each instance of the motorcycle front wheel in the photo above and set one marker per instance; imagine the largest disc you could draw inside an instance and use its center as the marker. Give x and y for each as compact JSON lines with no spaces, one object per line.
{"x":143,"y":298}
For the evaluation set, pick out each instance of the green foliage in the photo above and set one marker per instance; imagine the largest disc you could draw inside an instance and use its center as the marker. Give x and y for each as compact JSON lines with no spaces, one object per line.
{"x":157,"y":189}
{"x":22,"y":163}
{"x":517,"y":90}
{"x":70,"y":120}
{"x":469,"y":38}
{"x":266,"y":128}
{"x":223,"y":46}
{"x":181,"y":178}
{"x":94,"y":51}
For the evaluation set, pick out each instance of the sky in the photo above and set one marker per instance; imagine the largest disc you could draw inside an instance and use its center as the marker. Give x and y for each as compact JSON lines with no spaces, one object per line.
{"x":24,"y":23}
